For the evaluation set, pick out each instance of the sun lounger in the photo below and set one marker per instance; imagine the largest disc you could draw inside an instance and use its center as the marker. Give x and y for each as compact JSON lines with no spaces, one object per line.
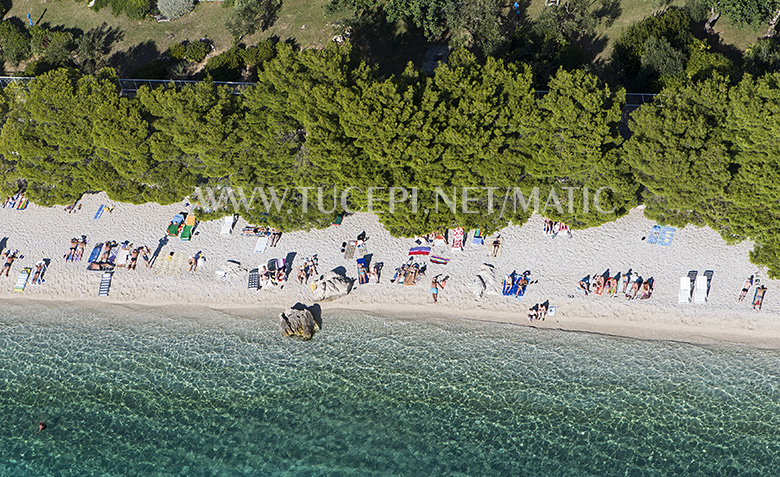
{"x":700,"y":293}
{"x":419,"y":251}
{"x":254,"y":279}
{"x":95,"y":253}
{"x":652,"y":239}
{"x":665,"y":236}
{"x":21,"y":282}
{"x":261,"y":244}
{"x":227,"y":225}
{"x":105,"y":283}
{"x":685,"y":290}
{"x":99,"y":212}
{"x":457,"y":239}
{"x":758,"y":298}
{"x":189,"y":226}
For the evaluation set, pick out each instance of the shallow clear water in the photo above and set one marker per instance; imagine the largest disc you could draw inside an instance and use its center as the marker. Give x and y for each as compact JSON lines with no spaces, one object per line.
{"x":128,"y":391}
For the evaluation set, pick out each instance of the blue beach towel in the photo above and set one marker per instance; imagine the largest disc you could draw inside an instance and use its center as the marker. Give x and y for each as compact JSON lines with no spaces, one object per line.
{"x":100,"y":211}
{"x":666,"y":236}
{"x":95,"y":253}
{"x":652,"y":239}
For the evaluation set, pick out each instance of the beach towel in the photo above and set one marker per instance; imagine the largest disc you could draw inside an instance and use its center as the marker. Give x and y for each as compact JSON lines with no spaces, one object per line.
{"x":479,"y":237}
{"x":665,"y":236}
{"x":349,"y":252}
{"x":113,"y":254}
{"x":105,"y":283}
{"x":169,"y":265}
{"x":419,"y":251}
{"x":123,"y":257}
{"x":361,"y":250}
{"x":21,"y":282}
{"x":261,"y":244}
{"x":227,"y":226}
{"x":339,"y":219}
{"x":511,"y":284}
{"x":758,"y":298}
{"x":23,"y":204}
{"x":189,"y":226}
{"x":652,"y":239}
{"x":439,"y":260}
{"x":100,"y":211}
{"x":439,"y":240}
{"x":95,"y":253}
{"x":254,"y":279}
{"x":457,"y":239}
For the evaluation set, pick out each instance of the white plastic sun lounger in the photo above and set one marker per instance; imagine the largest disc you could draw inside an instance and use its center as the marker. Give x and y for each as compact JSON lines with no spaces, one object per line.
{"x":227,"y":225}
{"x":700,"y":295}
{"x":685,"y":290}
{"x":261,"y":243}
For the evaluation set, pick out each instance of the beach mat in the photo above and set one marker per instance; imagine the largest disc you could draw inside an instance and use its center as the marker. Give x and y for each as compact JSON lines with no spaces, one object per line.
{"x":439,"y":260}
{"x":105,"y":283}
{"x":95,"y":253}
{"x":99,"y":212}
{"x":457,"y":239}
{"x":498,"y":250}
{"x":665,"y":236}
{"x":361,"y":250}
{"x":349,"y":253}
{"x":652,"y":239}
{"x":169,"y":266}
{"x":261,"y":244}
{"x":419,"y":251}
{"x":21,"y":282}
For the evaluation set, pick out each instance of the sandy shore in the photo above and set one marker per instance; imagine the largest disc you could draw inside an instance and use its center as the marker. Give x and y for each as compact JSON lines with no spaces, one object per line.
{"x":557,"y":264}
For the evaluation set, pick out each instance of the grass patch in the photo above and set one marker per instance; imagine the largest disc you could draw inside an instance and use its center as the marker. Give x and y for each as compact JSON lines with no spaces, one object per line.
{"x":140,"y":41}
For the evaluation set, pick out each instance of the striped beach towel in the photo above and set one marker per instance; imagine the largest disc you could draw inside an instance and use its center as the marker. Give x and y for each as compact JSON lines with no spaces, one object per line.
{"x":439,"y":260}
{"x":457,"y":239}
{"x":419,"y":250}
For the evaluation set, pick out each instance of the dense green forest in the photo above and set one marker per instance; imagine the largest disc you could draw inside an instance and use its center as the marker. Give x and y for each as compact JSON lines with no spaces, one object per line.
{"x":703,"y":152}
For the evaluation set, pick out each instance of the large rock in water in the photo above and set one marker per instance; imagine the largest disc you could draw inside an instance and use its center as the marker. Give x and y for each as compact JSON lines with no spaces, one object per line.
{"x":330,"y":286}
{"x":298,"y":323}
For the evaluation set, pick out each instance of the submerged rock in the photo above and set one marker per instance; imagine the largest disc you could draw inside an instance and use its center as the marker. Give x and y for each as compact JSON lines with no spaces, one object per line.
{"x":330,"y":286}
{"x":298,"y":323}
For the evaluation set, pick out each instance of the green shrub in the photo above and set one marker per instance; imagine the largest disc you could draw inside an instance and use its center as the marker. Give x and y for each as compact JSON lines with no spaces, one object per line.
{"x":14,"y":42}
{"x":177,"y":51}
{"x":39,"y":67}
{"x":260,"y":53}
{"x":55,"y":46}
{"x":197,"y":51}
{"x":226,"y":66}
{"x":674,"y":25}
{"x":135,"y":9}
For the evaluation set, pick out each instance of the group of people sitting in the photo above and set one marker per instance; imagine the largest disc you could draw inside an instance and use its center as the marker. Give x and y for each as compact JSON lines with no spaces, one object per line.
{"x":631,"y":282}
{"x":366,"y":276}
{"x":539,"y":311}
{"x":272,"y":277}
{"x":409,"y":273}
{"x":74,"y":206}
{"x":515,"y":284}
{"x":110,"y":251}
{"x":15,"y":201}
{"x":554,"y":228}
{"x":8,"y":257}
{"x":253,"y":231}
{"x":76,"y":250}
{"x":308,"y":269}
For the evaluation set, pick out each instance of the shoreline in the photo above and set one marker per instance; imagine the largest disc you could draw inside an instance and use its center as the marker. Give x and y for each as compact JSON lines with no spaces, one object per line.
{"x":764,"y":337}
{"x":557,"y":264}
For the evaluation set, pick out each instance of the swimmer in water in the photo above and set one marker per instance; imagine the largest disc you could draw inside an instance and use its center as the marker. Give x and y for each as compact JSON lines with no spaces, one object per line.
{"x":41,"y":426}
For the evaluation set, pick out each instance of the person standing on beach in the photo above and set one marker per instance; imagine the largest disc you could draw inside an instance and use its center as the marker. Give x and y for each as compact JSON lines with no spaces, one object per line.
{"x":435,"y":285}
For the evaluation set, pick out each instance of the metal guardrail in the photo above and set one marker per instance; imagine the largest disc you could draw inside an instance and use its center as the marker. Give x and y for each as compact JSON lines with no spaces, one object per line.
{"x":130,"y":86}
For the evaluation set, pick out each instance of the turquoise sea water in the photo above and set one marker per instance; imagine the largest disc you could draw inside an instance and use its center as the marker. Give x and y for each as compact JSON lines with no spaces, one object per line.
{"x":129,"y":391}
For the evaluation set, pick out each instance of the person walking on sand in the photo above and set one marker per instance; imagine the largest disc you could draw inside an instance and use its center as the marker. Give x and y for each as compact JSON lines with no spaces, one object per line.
{"x":435,"y":285}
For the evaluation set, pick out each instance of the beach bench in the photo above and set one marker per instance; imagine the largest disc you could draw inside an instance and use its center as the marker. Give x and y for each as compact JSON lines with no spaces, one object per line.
{"x":227,"y":225}
{"x":105,"y":283}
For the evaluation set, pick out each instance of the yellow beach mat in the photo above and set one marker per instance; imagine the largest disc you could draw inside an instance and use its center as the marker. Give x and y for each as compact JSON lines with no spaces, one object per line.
{"x":21,"y":282}
{"x":170,"y":265}
{"x":190,"y":220}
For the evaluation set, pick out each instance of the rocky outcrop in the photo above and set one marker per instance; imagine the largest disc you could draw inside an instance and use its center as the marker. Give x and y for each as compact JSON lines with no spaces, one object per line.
{"x":298,"y":323}
{"x":330,"y":286}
